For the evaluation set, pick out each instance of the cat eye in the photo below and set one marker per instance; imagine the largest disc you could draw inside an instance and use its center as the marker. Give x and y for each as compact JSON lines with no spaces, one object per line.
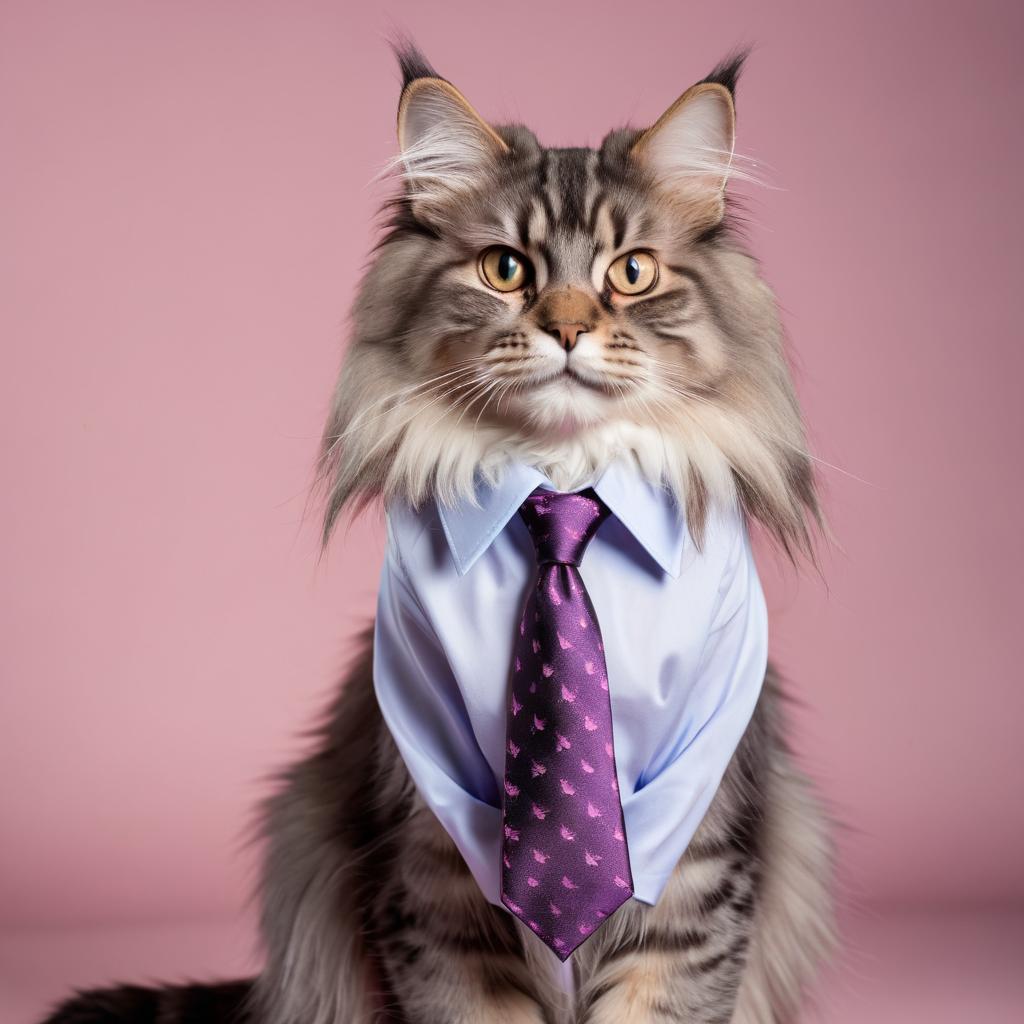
{"x":503,"y":269}
{"x":634,"y":273}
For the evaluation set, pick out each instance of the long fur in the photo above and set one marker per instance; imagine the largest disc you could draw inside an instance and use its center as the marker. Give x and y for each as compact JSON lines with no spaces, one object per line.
{"x":368,"y":911}
{"x":422,"y":409}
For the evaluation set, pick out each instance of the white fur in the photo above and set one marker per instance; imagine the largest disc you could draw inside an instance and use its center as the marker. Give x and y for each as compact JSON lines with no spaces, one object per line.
{"x":694,"y":147}
{"x":444,"y":144}
{"x":440,"y":452}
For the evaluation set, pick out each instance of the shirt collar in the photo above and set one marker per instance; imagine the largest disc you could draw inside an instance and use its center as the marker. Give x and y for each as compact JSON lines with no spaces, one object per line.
{"x":648,"y":512}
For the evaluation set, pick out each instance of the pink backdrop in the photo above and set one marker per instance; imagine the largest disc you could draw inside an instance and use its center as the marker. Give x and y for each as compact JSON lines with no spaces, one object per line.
{"x":185,"y":211}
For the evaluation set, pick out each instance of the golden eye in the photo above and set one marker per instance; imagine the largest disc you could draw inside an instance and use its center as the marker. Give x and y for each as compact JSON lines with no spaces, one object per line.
{"x":634,"y":273}
{"x":504,"y":269}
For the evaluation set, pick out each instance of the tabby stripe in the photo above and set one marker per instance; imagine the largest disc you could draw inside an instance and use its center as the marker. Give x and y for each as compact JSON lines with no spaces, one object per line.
{"x":679,"y":339}
{"x":714,"y":307}
{"x":674,"y":302}
{"x":596,"y":996}
{"x":595,"y":210}
{"x":689,"y":274}
{"x":464,"y":936}
{"x":662,"y":942}
{"x":542,"y":189}
{"x":393,"y":920}
{"x":470,"y":929}
{"x":470,"y":306}
{"x":732,"y":956}
{"x":407,"y":952}
{"x":713,"y":900}
{"x":744,"y":905}
{"x":668,"y":1011}
{"x":523,"y":226}
{"x":710,"y":849}
{"x":475,"y":941}
{"x":457,"y":926}
{"x":573,"y":186}
{"x":619,"y":223}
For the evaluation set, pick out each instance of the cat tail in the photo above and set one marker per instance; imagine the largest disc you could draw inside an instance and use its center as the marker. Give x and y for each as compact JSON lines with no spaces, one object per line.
{"x":223,"y":1003}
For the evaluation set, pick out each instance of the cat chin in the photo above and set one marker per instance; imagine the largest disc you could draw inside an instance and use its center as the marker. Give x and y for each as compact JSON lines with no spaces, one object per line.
{"x":563,"y":409}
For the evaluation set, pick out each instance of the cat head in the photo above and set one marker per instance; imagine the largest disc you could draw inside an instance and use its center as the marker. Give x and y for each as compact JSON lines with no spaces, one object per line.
{"x":567,"y":307}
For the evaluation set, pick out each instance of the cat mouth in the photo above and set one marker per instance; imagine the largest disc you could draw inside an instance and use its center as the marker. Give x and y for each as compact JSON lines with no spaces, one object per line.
{"x":569,"y":375}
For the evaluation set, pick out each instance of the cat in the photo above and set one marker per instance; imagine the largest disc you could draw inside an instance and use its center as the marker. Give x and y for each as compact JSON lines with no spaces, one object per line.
{"x":443,"y":386}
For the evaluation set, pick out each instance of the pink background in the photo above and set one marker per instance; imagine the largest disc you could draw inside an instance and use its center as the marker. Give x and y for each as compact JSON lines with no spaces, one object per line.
{"x":184,"y":211}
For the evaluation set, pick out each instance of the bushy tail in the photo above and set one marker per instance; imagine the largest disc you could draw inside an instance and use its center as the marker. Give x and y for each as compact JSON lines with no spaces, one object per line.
{"x":224,"y":1003}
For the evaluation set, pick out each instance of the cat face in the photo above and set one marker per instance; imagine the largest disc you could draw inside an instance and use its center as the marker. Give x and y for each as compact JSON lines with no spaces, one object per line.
{"x":566,"y":286}
{"x":567,"y":295}
{"x":566,"y":306}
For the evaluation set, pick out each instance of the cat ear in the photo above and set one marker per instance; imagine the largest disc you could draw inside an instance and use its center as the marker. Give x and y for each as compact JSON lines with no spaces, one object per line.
{"x":446,"y":145}
{"x":689,"y":149}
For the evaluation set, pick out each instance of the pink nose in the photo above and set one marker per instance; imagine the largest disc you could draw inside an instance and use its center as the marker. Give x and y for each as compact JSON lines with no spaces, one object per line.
{"x":566,"y":333}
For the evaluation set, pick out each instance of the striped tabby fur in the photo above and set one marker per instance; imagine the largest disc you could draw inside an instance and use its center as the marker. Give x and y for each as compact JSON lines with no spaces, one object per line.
{"x":352,"y":928}
{"x":368,"y":911}
{"x":734,"y":937}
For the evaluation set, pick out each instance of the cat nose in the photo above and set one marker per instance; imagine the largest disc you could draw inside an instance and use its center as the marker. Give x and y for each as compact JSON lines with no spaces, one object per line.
{"x":565,"y":313}
{"x":566,"y":333}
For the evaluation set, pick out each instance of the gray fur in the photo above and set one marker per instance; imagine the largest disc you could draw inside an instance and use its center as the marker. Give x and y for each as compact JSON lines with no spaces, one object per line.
{"x":735,"y":937}
{"x":690,"y":383}
{"x":746,"y":918}
{"x":438,"y":384}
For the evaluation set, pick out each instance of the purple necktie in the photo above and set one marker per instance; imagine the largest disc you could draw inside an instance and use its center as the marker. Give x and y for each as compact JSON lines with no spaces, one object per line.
{"x":565,"y":866}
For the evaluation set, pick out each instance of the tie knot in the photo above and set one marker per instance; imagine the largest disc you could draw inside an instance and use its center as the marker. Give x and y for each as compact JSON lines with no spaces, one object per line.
{"x":562,"y":525}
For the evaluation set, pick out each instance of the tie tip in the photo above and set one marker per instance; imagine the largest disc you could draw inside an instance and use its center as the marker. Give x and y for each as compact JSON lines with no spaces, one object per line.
{"x":566,"y":943}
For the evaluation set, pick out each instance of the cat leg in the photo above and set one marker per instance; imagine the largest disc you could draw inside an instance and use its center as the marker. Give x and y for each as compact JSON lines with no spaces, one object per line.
{"x":746,"y":917}
{"x":794,"y":930}
{"x":448,"y":956}
{"x":362,"y":886}
{"x":682,"y":960}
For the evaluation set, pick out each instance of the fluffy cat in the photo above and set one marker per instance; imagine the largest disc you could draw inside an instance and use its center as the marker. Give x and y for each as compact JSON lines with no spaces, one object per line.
{"x":367,"y":906}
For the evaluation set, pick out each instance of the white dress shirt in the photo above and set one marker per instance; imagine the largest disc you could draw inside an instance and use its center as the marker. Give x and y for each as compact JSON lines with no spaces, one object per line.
{"x":685,"y":635}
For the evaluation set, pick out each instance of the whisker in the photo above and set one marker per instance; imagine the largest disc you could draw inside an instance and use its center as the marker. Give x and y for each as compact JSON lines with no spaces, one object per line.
{"x":483,"y":393}
{"x":677,"y":375}
{"x":474,"y":389}
{"x":467,"y":370}
{"x":417,"y":412}
{"x":491,"y":392}
{"x":459,"y":368}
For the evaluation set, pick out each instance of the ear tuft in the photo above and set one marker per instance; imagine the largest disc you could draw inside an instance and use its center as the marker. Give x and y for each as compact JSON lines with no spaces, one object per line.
{"x":411,"y":61}
{"x":689,"y":149}
{"x":446,"y":146}
{"x":727,"y":72}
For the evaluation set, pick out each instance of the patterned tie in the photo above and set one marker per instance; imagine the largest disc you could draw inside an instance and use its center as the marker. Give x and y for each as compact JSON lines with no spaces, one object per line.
{"x":565,"y":866}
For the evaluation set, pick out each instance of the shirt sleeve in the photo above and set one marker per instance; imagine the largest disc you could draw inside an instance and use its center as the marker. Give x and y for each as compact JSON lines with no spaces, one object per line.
{"x":423,"y":709}
{"x":727,"y":683}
